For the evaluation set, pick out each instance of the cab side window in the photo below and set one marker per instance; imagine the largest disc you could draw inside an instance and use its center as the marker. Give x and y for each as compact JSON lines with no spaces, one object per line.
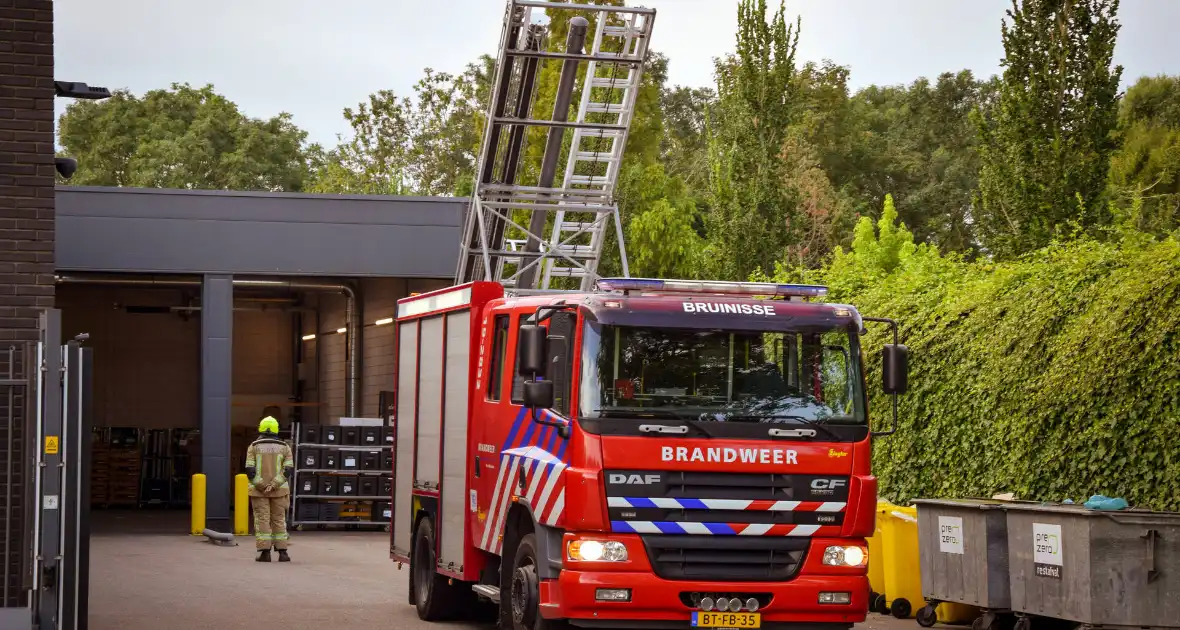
{"x":517,"y":396}
{"x":498,"y":358}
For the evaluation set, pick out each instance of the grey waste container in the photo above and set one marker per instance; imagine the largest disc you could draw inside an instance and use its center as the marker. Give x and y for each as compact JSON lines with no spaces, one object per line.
{"x":964,"y":552}
{"x":1095,"y":568}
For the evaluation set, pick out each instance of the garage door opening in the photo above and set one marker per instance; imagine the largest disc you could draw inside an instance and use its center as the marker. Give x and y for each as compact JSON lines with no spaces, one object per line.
{"x":147,"y":381}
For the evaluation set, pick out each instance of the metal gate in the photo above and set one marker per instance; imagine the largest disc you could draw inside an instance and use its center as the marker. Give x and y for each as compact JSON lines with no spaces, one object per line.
{"x":44,"y":479}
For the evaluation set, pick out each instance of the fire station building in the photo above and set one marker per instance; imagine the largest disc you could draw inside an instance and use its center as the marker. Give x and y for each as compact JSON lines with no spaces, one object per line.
{"x":205,"y":308}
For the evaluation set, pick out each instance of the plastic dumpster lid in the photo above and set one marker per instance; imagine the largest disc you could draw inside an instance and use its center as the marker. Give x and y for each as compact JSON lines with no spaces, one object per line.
{"x":1077,"y":509}
{"x":983,"y":504}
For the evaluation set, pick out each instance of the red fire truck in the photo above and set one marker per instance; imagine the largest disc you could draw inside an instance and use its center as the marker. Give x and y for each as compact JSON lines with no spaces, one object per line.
{"x":652,"y":453}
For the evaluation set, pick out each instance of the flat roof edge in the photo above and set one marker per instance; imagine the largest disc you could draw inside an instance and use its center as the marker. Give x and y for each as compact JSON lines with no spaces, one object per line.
{"x":254,"y":193}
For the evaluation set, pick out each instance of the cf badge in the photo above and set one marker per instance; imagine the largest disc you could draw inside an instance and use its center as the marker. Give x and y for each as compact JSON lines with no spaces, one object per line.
{"x":827,"y":486}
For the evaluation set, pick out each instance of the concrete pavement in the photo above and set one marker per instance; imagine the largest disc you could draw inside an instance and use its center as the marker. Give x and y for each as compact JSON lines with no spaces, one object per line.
{"x":337,"y":580}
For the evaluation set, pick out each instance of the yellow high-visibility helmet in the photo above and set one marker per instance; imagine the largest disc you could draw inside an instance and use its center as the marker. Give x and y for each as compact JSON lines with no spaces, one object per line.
{"x":268,"y":425}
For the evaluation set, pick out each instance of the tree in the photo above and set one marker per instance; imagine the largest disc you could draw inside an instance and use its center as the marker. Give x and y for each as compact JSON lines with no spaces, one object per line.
{"x":684,"y":145}
{"x":918,"y":143}
{"x":183,"y":137}
{"x":1046,"y":142}
{"x":753,"y":219}
{"x":425,"y":145}
{"x":1145,"y":171}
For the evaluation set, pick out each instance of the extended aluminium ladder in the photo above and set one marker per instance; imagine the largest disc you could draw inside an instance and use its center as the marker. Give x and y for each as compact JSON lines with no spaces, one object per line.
{"x":577,"y":213}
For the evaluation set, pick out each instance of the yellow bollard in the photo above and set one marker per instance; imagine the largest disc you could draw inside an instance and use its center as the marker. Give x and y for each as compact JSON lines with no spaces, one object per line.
{"x":198,"y":493}
{"x":241,"y":506}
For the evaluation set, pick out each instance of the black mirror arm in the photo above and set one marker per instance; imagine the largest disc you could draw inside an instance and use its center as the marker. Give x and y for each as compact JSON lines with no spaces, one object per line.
{"x":549,"y":310}
{"x":893,"y":325}
{"x":561,"y":422}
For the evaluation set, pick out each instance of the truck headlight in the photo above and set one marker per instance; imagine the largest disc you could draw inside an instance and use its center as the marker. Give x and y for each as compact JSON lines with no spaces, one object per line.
{"x":835,"y":556}
{"x":596,"y":551}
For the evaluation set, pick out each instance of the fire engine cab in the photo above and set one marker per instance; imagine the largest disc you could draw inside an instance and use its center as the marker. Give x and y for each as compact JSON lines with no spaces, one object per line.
{"x":655,"y":453}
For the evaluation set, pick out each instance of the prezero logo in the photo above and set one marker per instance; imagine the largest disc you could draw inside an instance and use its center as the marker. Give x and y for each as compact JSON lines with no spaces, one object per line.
{"x":633,"y":480}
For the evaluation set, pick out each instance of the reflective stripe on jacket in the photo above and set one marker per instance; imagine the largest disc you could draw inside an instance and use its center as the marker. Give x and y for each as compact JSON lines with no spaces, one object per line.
{"x":269,"y":457}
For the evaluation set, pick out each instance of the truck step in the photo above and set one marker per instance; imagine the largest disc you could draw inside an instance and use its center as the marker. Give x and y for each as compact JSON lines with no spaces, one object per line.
{"x":488,"y":591}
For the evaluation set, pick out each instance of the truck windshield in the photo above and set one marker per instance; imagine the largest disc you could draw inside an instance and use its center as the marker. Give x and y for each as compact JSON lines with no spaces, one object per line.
{"x":719,"y":375}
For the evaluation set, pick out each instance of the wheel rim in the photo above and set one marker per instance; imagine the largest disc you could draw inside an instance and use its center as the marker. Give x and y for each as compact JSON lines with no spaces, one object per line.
{"x":524,"y":594}
{"x":423,"y":569}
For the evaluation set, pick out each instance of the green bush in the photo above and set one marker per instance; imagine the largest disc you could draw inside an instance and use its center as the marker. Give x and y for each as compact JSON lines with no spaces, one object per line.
{"x":1053,"y":376}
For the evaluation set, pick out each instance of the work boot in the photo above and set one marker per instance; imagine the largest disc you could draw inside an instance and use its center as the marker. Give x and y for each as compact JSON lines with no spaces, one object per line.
{"x":263,"y":556}
{"x":283,"y":557}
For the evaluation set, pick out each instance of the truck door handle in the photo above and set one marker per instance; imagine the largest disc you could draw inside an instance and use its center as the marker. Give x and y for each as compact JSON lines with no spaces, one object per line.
{"x":662,"y":428}
{"x":477,"y":465}
{"x":792,"y":433}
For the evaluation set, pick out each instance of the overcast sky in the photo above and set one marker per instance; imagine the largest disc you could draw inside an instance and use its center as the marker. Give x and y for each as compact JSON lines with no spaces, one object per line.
{"x":312,"y":58}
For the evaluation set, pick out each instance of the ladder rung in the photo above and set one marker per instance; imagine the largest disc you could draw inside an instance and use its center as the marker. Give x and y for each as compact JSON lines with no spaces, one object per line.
{"x":567,"y":272}
{"x":609,"y":82}
{"x":549,"y":207}
{"x":575,"y":251}
{"x":574,"y":226}
{"x":525,"y":192}
{"x":605,"y":108}
{"x":532,"y":122}
{"x":596,"y":157}
{"x":596,"y":134}
{"x":588,"y":180}
{"x":601,"y":58}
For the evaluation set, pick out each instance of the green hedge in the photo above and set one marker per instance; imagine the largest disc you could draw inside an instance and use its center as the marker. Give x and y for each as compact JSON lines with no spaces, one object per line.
{"x":1056,"y":376}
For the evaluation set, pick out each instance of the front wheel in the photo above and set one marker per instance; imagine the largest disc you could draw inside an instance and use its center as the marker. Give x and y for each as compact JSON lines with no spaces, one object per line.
{"x":927,"y":616}
{"x":434,"y":598}
{"x":524,"y":597}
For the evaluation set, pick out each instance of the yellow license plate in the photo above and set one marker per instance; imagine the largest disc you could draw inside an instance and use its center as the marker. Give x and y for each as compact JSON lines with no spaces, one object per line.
{"x":702,"y":619}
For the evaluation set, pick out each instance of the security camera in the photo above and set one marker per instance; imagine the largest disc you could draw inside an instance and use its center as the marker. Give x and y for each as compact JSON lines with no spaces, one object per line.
{"x":65,"y":166}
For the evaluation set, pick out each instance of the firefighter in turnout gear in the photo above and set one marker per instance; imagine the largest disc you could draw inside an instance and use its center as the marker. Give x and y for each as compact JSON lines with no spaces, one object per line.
{"x":269,"y":466}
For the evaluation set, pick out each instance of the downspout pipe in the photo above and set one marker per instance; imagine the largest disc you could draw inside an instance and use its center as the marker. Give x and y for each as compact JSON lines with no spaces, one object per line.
{"x":352,"y":317}
{"x":352,"y":311}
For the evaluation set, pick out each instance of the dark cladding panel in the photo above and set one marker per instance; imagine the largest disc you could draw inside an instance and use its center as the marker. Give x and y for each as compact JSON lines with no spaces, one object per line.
{"x":173,"y":231}
{"x":217,"y":298}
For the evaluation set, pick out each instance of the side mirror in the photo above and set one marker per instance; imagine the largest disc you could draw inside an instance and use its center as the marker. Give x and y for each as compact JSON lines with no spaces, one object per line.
{"x":530,"y":350}
{"x":895,"y":368}
{"x":538,"y":394}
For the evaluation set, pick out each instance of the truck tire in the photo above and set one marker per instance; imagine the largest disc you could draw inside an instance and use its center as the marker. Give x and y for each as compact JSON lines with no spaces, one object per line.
{"x":523,"y":590}
{"x":434,"y":598}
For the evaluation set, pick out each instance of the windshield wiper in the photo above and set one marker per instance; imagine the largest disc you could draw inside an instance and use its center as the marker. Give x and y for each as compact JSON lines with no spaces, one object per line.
{"x":650,"y":428}
{"x":780,"y":432}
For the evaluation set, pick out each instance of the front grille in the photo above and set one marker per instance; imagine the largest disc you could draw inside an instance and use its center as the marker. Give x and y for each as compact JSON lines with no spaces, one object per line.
{"x":698,"y":485}
{"x":753,"y":559}
{"x":715,"y":485}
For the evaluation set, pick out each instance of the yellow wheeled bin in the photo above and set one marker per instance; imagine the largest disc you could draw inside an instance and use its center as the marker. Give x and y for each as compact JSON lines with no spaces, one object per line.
{"x":877,"y":560}
{"x":901,"y":572}
{"x":899,"y":546}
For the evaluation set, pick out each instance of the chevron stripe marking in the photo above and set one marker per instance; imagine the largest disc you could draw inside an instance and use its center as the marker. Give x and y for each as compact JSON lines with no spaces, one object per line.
{"x":721,"y":529}
{"x":724,"y":504}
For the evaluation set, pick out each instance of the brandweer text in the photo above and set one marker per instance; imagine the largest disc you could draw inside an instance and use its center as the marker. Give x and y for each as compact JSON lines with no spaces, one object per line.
{"x":730,"y":455}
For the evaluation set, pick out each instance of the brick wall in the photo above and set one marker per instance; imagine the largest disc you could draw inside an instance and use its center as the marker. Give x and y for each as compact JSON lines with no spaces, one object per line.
{"x":26,"y":229}
{"x":26,"y":165}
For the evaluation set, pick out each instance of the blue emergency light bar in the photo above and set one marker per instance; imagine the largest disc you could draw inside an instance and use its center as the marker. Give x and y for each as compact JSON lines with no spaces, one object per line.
{"x":711,"y":286}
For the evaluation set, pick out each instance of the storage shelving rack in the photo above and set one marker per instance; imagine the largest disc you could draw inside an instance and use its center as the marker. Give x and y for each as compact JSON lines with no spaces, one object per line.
{"x":375,"y":500}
